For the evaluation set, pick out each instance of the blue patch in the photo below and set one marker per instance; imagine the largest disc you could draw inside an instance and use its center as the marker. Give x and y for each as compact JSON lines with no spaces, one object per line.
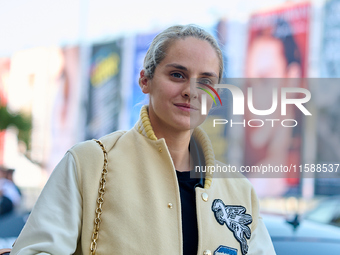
{"x":224,"y":250}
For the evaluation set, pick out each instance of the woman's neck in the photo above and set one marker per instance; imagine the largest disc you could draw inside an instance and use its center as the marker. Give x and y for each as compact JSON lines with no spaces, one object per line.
{"x":178,"y":145}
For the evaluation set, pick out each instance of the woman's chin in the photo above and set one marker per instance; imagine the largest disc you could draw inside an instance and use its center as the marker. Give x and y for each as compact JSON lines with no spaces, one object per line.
{"x":195,"y":123}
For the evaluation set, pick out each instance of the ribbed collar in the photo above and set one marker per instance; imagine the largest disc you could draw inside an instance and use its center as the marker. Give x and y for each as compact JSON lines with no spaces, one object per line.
{"x":143,"y":126}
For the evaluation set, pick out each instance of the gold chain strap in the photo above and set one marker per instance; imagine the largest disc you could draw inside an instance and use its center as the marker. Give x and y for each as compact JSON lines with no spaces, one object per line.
{"x":100,"y":201}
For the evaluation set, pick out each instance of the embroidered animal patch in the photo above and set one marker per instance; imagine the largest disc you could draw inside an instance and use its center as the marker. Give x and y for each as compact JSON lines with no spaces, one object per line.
{"x":236,"y":219}
{"x":225,"y":250}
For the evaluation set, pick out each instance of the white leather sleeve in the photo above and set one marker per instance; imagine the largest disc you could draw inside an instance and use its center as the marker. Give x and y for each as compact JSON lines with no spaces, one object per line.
{"x":260,"y":241}
{"x":54,"y":224}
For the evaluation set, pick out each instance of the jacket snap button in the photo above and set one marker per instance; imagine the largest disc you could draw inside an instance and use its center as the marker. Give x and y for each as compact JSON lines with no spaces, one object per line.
{"x":170,"y":205}
{"x":207,"y":252}
{"x":205,"y":197}
{"x":160,"y":149}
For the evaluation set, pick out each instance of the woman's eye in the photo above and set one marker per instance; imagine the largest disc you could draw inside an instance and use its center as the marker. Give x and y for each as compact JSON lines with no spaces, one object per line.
{"x":205,"y":81}
{"x":177,"y":75}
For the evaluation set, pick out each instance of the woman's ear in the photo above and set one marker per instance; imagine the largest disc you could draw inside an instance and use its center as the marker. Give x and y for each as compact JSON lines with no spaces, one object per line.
{"x":144,"y":82}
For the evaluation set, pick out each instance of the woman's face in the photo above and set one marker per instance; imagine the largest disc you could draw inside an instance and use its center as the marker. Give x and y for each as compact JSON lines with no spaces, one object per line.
{"x":175,"y":102}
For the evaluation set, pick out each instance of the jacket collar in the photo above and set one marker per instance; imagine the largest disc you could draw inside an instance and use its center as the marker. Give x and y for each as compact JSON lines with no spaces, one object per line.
{"x":143,"y":126}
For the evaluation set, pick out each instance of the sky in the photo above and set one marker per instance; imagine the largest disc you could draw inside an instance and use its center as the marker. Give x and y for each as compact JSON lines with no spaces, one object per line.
{"x":25,"y":24}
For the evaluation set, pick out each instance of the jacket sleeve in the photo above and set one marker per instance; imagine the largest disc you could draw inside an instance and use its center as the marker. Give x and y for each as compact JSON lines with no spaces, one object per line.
{"x":54,"y":225}
{"x":260,"y":242}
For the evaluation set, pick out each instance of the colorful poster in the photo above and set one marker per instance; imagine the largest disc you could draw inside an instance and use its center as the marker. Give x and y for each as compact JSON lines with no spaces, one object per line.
{"x":66,"y":106}
{"x":276,"y":58}
{"x":104,"y":102}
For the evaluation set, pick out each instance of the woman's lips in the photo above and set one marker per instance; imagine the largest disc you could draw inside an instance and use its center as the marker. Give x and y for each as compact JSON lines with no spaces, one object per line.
{"x":186,"y":107}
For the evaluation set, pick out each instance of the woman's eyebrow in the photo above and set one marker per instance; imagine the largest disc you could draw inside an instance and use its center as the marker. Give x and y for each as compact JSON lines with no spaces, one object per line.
{"x":209,"y":74}
{"x":178,"y":66}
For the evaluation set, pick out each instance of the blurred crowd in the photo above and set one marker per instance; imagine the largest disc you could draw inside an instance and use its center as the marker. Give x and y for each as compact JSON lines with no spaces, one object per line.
{"x":10,"y":194}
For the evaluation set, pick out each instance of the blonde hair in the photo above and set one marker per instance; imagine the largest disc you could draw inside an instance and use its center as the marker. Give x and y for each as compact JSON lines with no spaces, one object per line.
{"x":161,"y":43}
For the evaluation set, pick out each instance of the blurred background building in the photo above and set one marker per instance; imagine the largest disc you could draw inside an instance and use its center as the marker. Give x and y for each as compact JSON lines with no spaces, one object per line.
{"x":70,"y":71}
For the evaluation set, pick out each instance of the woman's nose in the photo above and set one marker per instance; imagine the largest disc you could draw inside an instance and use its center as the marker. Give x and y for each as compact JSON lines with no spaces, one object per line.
{"x":190,"y":91}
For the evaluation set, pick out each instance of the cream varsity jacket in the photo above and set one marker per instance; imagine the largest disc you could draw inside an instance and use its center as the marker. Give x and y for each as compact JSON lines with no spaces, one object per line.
{"x":141,"y":209}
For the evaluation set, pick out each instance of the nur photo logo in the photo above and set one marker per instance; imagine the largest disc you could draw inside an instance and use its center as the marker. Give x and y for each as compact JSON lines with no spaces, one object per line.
{"x":280,"y":99}
{"x":204,"y":97}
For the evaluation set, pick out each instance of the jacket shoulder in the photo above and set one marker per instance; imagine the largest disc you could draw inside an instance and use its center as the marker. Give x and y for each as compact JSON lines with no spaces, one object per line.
{"x":89,"y":156}
{"x":90,"y":146}
{"x":110,"y":140}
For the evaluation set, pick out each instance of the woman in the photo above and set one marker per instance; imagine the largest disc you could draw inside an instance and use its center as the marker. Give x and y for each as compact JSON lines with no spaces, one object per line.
{"x":145,"y":206}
